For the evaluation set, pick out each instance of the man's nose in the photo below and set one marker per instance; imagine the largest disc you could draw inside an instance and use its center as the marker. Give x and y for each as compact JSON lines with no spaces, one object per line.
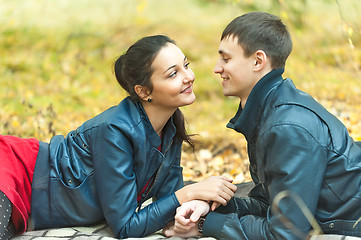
{"x":218,"y":68}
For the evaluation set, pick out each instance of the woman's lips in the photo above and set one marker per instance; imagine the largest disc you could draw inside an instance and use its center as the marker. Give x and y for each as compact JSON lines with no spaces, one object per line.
{"x":187,"y":90}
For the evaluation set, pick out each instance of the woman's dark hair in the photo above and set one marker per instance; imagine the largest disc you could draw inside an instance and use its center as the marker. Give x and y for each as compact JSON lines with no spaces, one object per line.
{"x":134,"y":68}
{"x":261,"y":31}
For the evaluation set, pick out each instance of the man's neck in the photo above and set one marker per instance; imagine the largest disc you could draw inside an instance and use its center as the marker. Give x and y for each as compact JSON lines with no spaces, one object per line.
{"x":259,"y":75}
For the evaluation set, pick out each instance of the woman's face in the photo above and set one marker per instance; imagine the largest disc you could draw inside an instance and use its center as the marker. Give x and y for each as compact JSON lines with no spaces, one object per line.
{"x":172,"y":79}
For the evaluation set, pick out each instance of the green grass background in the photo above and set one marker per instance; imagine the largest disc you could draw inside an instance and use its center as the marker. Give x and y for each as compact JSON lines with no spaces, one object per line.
{"x":56,"y":58}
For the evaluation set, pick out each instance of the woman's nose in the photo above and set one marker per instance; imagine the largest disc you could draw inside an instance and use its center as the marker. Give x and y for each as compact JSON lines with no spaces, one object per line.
{"x":190,"y":76}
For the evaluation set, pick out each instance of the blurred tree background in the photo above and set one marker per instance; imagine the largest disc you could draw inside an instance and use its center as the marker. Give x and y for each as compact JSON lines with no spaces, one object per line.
{"x":56,"y":61}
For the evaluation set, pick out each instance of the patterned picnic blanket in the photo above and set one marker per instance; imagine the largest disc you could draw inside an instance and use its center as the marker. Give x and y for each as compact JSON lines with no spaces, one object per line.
{"x":96,"y":232}
{"x":103,"y":232}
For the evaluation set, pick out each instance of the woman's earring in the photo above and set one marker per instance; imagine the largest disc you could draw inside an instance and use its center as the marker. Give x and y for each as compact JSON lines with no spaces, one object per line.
{"x":149,"y":99}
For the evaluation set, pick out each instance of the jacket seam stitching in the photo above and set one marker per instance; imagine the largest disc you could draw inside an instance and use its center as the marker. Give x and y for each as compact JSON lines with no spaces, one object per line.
{"x":295,"y":125}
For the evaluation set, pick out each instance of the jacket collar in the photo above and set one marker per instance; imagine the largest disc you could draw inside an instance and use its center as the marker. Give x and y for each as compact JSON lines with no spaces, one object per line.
{"x":246,"y":120}
{"x":169,"y":130}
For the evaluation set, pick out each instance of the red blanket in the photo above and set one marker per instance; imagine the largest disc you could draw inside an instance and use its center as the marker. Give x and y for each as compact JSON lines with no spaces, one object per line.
{"x":17,"y":162}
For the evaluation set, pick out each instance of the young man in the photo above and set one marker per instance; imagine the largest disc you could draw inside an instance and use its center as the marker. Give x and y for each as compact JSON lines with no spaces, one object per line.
{"x":296,"y":148}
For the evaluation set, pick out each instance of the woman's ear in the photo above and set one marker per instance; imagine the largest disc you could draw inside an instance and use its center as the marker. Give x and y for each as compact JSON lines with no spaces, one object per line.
{"x":142,"y":92}
{"x":261,"y":60}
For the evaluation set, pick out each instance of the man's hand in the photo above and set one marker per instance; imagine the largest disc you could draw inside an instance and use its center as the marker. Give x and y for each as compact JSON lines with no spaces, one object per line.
{"x":186,"y":219}
{"x":169,"y":231}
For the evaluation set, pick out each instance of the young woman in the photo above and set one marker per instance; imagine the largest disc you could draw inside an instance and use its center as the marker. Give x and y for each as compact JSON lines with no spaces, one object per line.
{"x":114,"y":162}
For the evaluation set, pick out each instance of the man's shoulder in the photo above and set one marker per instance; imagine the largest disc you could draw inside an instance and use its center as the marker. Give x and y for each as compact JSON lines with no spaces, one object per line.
{"x":289,"y":104}
{"x":293,"y":115}
{"x":291,"y":107}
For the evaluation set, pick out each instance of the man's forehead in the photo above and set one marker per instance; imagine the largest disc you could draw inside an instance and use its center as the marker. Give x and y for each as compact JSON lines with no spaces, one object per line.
{"x":228,"y":45}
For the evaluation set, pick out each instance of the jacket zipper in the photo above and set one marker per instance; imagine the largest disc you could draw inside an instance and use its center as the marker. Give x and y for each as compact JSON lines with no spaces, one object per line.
{"x":155,"y":178}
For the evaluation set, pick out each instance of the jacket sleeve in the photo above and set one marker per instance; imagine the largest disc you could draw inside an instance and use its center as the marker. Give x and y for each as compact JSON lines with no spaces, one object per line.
{"x":290,"y":159}
{"x":256,"y":204}
{"x":117,"y":190}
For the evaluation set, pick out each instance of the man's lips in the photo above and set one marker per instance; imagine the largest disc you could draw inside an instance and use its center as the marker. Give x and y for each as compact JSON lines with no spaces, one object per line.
{"x":224,"y":80}
{"x":187,"y":90}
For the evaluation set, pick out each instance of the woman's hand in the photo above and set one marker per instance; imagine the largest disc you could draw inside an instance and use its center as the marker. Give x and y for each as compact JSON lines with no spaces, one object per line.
{"x":217,"y":189}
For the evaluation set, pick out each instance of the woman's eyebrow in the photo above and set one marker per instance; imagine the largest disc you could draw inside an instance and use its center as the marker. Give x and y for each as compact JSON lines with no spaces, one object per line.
{"x":169,"y":68}
{"x":185,"y":59}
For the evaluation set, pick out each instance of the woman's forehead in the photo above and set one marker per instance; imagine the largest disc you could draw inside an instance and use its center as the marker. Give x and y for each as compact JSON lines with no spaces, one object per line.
{"x":168,"y":56}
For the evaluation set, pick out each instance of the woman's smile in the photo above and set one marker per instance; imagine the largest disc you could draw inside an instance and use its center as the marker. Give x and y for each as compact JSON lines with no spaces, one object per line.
{"x":188,"y":89}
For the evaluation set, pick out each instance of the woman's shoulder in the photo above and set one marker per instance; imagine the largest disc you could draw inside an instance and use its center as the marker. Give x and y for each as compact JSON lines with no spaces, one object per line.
{"x":126,"y":113}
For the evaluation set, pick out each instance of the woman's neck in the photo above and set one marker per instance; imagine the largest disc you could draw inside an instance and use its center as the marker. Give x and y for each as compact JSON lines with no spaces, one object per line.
{"x":157,"y":116}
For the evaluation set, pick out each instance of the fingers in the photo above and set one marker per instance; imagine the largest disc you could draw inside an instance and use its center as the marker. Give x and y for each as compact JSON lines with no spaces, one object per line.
{"x":180,"y":227}
{"x":182,"y":223}
{"x":190,"y":212}
{"x":228,"y":183}
{"x":186,"y":219}
{"x":215,"y":205}
{"x":227,"y":193}
{"x":195,"y":216}
{"x":193,"y":232}
{"x":201,"y":209}
{"x":223,"y":195}
{"x":182,"y":215}
{"x":169,"y":232}
{"x":182,"y":218}
{"x":221,"y":200}
{"x":227,"y":179}
{"x":225,"y":183}
{"x":219,"y":189}
{"x":226,"y":190}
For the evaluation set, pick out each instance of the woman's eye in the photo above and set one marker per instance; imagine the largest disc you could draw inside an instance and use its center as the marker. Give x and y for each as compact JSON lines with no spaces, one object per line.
{"x":225,"y":59}
{"x":187,"y":65}
{"x":173,"y":74}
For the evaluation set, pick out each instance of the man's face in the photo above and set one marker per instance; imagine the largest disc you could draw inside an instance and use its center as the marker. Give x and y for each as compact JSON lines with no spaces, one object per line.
{"x":236,"y":70}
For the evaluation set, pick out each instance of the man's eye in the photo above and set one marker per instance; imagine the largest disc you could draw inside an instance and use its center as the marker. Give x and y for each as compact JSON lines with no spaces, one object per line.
{"x":226,"y":59}
{"x":186,"y":65}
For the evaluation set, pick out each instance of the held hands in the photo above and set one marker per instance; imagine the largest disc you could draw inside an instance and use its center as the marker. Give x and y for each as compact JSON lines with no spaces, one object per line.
{"x":217,"y":189}
{"x":194,"y":200}
{"x":186,"y":219}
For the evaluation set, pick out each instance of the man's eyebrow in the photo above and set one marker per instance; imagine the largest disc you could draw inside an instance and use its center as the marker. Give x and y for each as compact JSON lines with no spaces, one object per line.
{"x":220,"y":51}
{"x":185,"y":59}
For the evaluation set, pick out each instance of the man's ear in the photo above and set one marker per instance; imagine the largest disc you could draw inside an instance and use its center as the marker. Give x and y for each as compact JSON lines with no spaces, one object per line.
{"x":142,"y":92}
{"x":261,"y":60}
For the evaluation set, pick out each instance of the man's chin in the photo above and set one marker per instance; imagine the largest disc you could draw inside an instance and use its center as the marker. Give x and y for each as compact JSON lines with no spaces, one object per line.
{"x":227,"y":94}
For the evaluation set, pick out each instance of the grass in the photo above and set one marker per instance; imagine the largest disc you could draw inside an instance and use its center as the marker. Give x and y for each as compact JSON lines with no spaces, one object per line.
{"x":57,"y":58}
